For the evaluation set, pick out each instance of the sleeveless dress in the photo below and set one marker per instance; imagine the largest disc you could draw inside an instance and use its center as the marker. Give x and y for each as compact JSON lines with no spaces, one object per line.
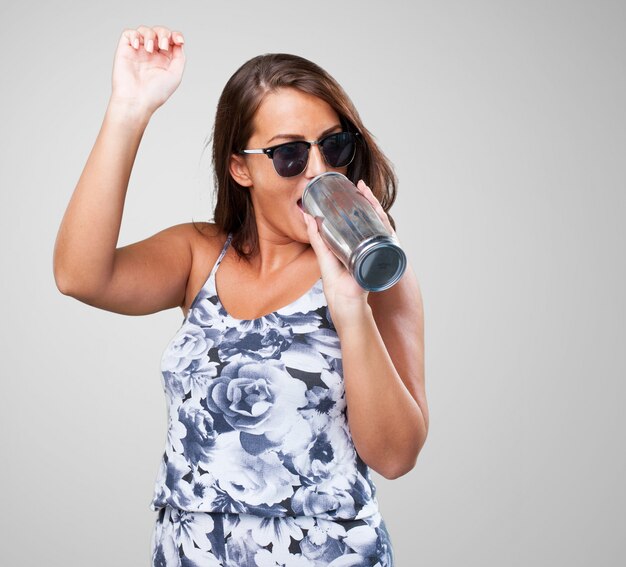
{"x":259,"y":467}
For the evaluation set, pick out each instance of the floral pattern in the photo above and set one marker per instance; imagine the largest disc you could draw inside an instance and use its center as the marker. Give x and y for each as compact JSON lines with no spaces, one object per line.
{"x":259,"y":467}
{"x":206,"y":539}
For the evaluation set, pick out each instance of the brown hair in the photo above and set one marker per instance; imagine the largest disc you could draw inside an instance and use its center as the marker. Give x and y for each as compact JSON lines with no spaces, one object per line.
{"x":232,"y":129}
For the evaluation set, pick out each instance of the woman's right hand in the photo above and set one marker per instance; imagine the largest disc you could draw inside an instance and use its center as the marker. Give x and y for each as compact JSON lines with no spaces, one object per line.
{"x":148,"y":67}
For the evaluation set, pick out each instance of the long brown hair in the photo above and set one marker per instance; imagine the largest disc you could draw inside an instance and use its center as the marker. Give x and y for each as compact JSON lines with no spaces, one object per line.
{"x":232,"y":129}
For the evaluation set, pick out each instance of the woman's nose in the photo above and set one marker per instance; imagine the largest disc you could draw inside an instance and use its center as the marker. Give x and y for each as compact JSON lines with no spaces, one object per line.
{"x":316,"y":164}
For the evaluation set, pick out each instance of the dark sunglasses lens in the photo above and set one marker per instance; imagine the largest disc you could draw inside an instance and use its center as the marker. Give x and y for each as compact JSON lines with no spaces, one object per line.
{"x":339,"y":149}
{"x":291,"y":159}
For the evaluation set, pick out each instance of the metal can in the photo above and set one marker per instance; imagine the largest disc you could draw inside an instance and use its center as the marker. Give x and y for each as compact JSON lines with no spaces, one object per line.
{"x":352,"y":229}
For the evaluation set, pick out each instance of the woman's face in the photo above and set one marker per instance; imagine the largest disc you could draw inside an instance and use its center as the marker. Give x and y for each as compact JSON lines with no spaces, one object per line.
{"x":283,"y":116}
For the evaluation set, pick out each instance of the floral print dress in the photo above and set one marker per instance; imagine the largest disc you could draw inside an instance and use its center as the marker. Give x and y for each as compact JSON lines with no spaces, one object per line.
{"x":259,"y":467}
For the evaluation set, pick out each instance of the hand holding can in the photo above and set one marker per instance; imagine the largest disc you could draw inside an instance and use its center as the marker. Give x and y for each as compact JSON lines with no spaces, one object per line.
{"x":351,"y":228}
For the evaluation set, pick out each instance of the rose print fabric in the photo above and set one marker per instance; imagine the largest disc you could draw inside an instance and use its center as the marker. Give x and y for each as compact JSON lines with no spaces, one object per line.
{"x":206,"y":539}
{"x":259,"y":467}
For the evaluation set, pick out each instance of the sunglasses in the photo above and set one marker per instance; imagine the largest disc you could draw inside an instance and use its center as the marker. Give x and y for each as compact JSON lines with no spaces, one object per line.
{"x":291,"y":158}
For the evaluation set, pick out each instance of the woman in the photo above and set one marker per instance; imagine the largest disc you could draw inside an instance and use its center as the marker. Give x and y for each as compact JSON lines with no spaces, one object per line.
{"x":291,"y":382}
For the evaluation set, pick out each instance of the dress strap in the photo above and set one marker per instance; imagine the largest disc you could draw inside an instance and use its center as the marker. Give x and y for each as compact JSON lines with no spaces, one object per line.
{"x":209,"y":288}
{"x":222,"y":253}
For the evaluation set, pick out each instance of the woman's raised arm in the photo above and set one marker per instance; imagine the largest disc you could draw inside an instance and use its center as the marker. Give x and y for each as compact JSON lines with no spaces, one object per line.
{"x":149,"y":275}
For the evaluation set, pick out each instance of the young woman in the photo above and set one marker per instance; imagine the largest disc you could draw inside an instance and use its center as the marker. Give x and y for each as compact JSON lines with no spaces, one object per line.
{"x":286,"y":381}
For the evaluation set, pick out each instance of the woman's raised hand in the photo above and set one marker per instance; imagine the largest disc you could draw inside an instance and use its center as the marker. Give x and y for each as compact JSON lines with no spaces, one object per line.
{"x":148,"y":67}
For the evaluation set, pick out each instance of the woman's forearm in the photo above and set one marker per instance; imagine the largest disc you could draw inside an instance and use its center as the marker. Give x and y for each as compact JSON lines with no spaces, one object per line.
{"x":85,"y":245}
{"x":386,"y":423}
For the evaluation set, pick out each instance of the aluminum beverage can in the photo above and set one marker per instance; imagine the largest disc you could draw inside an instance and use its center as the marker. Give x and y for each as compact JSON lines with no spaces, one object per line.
{"x":352,"y":229}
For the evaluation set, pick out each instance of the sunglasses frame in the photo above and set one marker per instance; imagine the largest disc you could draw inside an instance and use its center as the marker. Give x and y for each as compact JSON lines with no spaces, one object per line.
{"x":269,"y":152}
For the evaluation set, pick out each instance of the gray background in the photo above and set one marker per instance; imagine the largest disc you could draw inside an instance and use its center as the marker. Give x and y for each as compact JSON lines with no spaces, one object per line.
{"x":506,"y":122}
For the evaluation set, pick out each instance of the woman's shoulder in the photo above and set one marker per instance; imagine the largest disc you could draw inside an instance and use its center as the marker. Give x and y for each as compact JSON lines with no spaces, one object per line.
{"x":205,"y":230}
{"x":206,"y":241}
{"x":197,"y":234}
{"x":205,"y":238}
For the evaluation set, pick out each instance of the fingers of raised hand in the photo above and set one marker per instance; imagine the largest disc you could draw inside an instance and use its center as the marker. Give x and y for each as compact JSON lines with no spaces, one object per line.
{"x":367,"y":193}
{"x":154,"y":38}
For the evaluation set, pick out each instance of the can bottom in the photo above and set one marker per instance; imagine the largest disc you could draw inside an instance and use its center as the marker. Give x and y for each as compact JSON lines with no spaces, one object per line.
{"x":380,"y":266}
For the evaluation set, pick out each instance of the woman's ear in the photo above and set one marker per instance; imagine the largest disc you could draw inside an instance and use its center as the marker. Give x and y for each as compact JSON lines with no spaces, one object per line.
{"x":239,"y":170}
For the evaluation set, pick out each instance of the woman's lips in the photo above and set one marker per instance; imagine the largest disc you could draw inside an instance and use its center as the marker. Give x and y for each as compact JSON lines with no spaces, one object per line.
{"x":300,"y":204}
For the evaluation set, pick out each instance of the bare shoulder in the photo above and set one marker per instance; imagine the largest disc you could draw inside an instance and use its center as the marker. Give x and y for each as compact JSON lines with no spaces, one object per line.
{"x":206,"y":241}
{"x":198,"y":238}
{"x":205,"y":238}
{"x":194,"y":234}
